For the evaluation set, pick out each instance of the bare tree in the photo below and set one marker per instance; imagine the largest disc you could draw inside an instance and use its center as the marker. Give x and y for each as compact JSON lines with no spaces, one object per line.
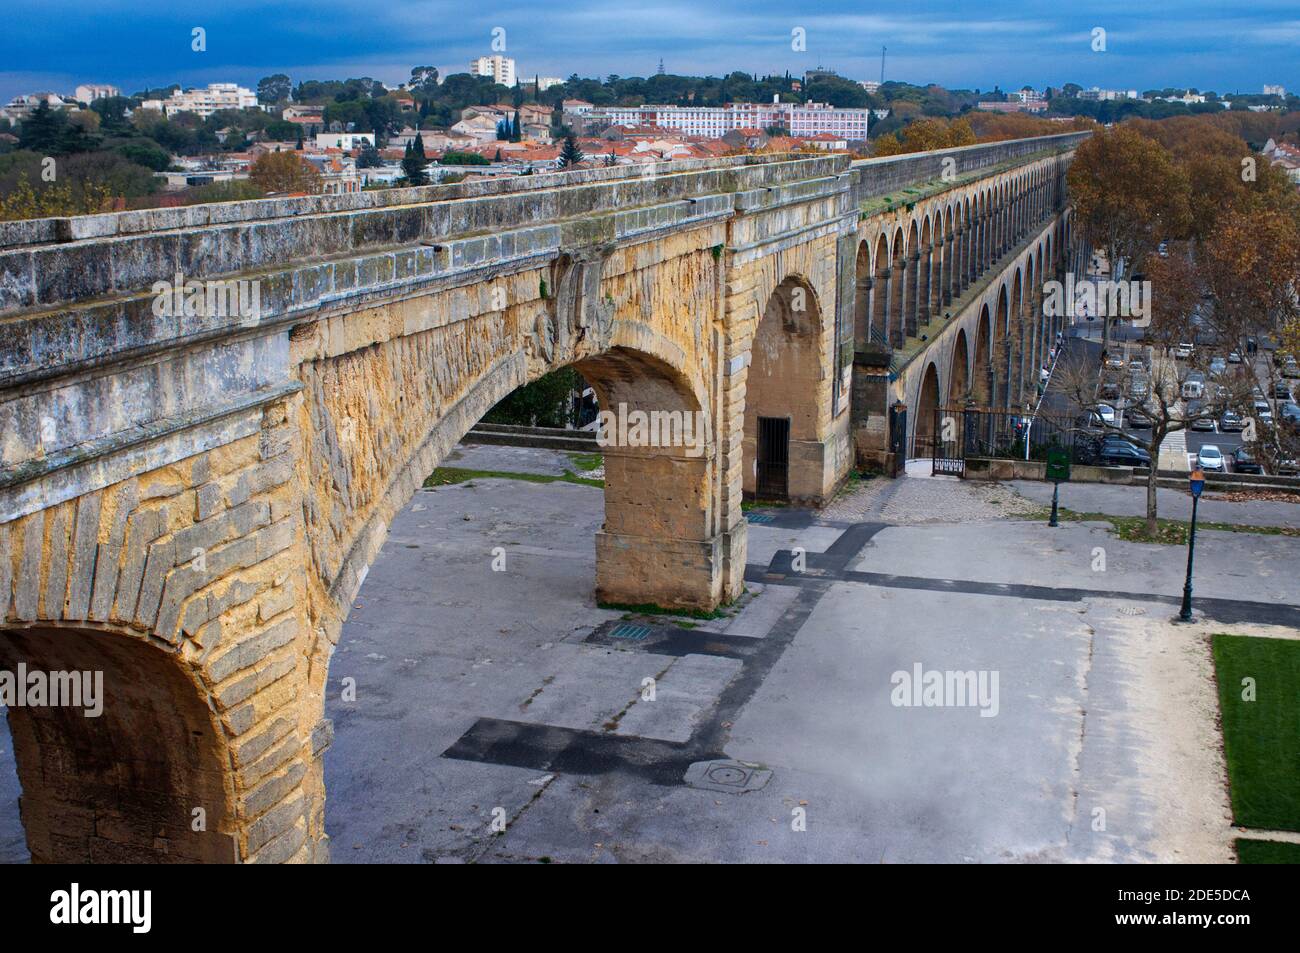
{"x":1143,"y":407}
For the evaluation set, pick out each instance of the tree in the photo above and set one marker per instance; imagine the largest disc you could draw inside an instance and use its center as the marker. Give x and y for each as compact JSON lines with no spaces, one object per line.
{"x":516,"y":134}
{"x":414,"y":163}
{"x":368,"y":157}
{"x":424,"y":78}
{"x":285,"y":172}
{"x":570,"y":154}
{"x":274,"y":89}
{"x":1128,"y":196}
{"x":546,"y":402}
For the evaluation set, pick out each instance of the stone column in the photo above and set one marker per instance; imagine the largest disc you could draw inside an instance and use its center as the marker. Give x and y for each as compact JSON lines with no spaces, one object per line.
{"x":862,"y":336}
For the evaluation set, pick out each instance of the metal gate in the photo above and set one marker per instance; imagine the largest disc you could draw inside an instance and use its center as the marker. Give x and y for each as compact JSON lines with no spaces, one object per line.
{"x":772,"y":481}
{"x":948,"y":441}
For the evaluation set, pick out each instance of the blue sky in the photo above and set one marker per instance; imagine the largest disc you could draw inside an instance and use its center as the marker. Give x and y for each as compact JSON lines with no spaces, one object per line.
{"x":56,"y":44}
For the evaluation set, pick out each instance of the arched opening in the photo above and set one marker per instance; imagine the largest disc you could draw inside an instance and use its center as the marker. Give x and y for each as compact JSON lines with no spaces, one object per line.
{"x":129,"y":767}
{"x":658,"y":541}
{"x":950,"y":258}
{"x":1001,"y":350}
{"x":786,"y":391}
{"x":880,"y":293}
{"x":926,"y":405}
{"x":1017,"y":318}
{"x":899,"y":277}
{"x":958,"y":375}
{"x":913,"y":286}
{"x":862,"y":298}
{"x":924,"y":279}
{"x":981,"y":371}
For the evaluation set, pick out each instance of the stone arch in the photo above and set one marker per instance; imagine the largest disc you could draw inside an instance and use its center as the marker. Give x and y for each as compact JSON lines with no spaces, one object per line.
{"x":863,"y":282}
{"x":959,"y":374}
{"x":912,"y":286}
{"x":982,"y":367}
{"x":1001,"y":346}
{"x":1016,"y":318}
{"x":881,"y":292}
{"x":783,"y":382}
{"x":927,"y":402}
{"x":130,"y":784}
{"x":925,"y":276}
{"x":897,"y":283}
{"x":951,"y":255}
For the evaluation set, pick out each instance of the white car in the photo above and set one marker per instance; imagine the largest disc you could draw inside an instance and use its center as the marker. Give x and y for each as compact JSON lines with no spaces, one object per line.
{"x":1182,"y":351}
{"x":1107,"y":413}
{"x":1210,"y":458}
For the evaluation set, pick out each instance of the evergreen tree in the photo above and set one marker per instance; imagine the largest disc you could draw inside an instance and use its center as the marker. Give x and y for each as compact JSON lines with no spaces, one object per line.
{"x":570,"y":155}
{"x":414,"y":163}
{"x":516,"y":133}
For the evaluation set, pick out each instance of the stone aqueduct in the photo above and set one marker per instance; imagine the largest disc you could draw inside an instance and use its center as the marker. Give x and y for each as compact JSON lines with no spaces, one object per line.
{"x":189,"y":501}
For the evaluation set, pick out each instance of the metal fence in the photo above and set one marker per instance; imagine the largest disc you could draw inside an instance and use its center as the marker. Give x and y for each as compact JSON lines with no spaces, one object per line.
{"x":962,"y":432}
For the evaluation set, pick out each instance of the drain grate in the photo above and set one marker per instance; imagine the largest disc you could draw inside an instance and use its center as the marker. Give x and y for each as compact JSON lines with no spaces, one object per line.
{"x":730,"y":777}
{"x":758,"y":518}
{"x":634,"y":633}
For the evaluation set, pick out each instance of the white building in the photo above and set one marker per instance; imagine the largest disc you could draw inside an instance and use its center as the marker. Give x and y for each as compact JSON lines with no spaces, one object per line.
{"x":713,"y":122}
{"x":347,"y":141}
{"x":205,"y":102}
{"x":546,"y":82}
{"x":89,"y":92}
{"x":1274,"y":90}
{"x":501,"y":69}
{"x":1108,"y":94}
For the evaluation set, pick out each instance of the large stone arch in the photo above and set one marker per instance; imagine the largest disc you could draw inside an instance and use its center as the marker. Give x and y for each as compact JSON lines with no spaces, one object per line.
{"x":145,"y":776}
{"x":927,"y":402}
{"x":786,"y":368}
{"x":959,"y":373}
{"x":982,"y":366}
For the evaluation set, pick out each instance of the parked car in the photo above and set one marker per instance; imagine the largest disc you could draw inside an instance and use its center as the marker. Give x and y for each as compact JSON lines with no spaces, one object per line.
{"x":1230,"y":422}
{"x":1107,"y":413}
{"x":1120,"y":453}
{"x":1210,"y":458}
{"x":1217,"y":366}
{"x":1289,"y":412}
{"x":1194,"y":386}
{"x":1244,"y":462}
{"x":1109,"y":390}
{"x":1183,"y":350}
{"x":1115,"y":361}
{"x":1137,"y":387}
{"x":1137,"y":366}
{"x":1263,"y":412}
{"x":1290,"y":368}
{"x":1234,"y":357}
{"x":1199,"y":423}
{"x":1282,"y":392}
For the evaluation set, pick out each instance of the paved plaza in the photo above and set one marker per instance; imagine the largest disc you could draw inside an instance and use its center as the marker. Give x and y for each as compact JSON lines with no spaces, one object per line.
{"x":500,"y":715}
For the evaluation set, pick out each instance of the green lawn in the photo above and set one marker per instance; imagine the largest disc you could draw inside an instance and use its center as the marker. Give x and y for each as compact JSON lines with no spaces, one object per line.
{"x":1266,"y":852}
{"x":1261,"y":738}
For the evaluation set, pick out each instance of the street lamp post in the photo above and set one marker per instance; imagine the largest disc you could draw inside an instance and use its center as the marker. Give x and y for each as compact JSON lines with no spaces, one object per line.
{"x":1197,"y":484}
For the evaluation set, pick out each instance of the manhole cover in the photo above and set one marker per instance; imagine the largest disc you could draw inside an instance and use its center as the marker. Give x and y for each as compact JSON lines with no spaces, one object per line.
{"x":758,"y":518}
{"x":1132,"y":610}
{"x":732,"y":777}
{"x":626,"y":631}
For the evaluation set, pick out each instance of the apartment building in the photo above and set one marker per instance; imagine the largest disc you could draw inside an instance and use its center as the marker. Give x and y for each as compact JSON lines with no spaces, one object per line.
{"x":206,"y":101}
{"x":501,"y":69}
{"x":802,"y":120}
